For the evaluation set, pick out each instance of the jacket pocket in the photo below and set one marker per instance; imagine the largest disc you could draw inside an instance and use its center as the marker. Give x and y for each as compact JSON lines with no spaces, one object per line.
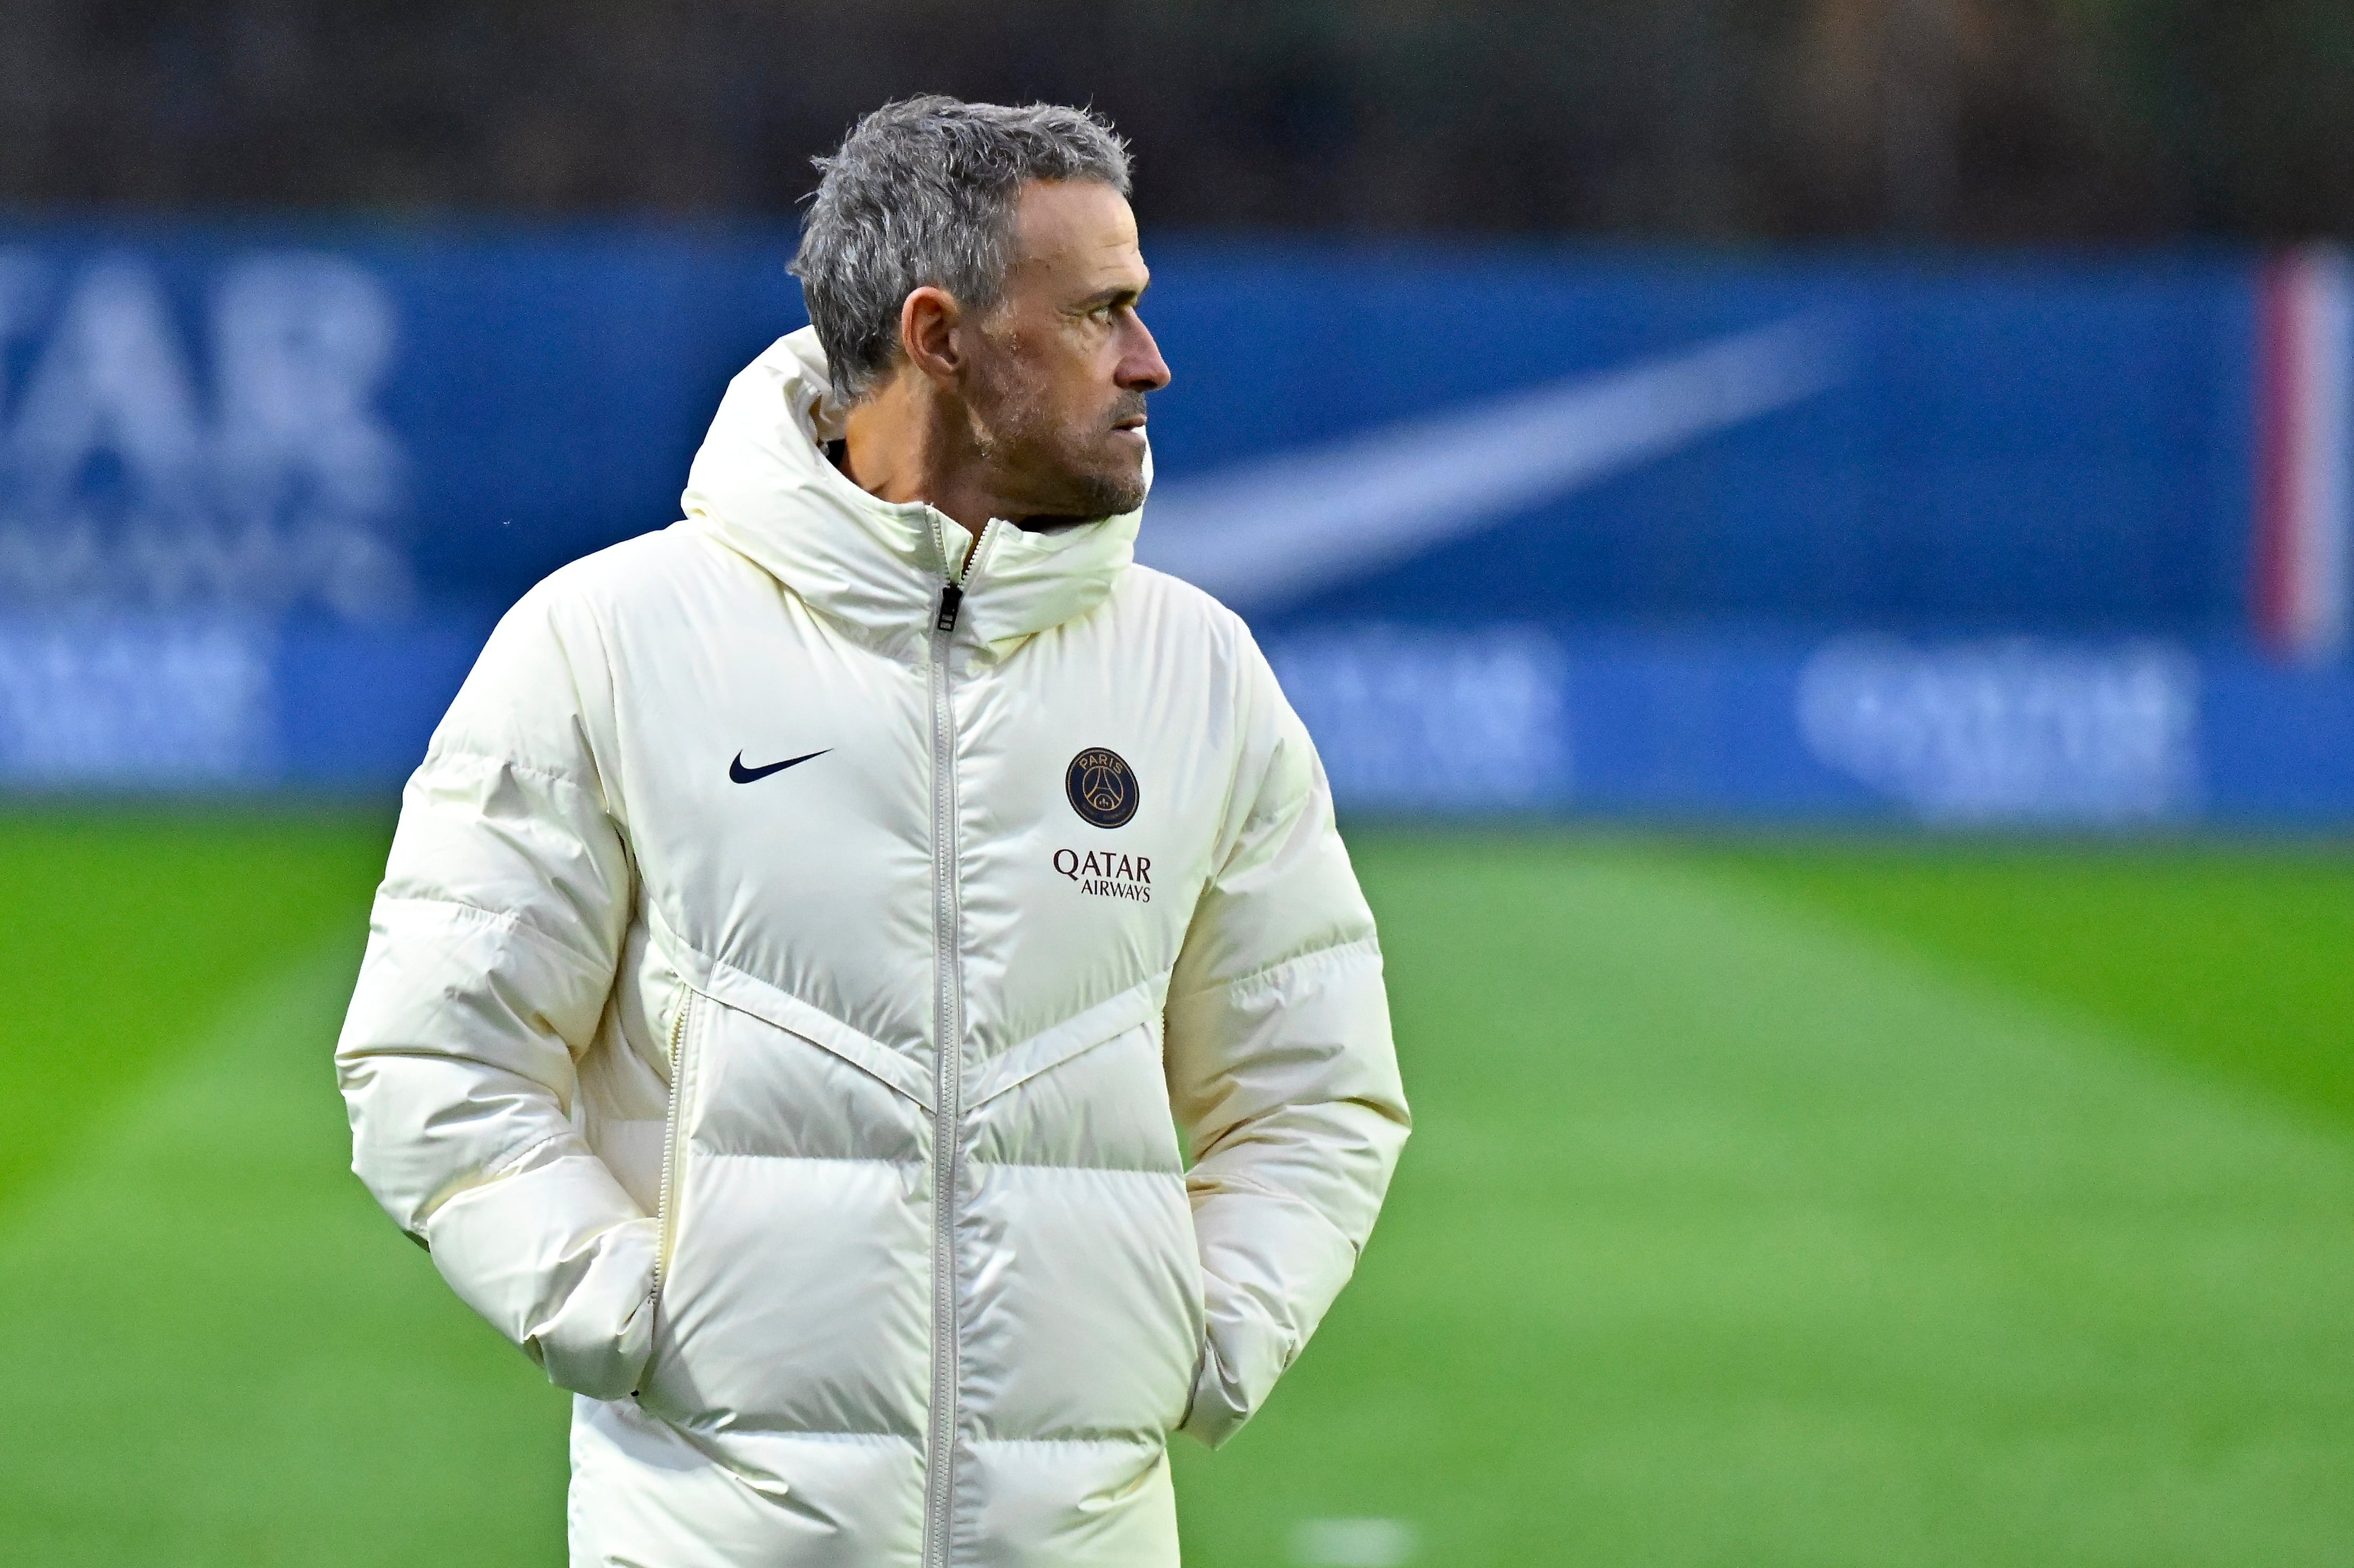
{"x":794,"y":1238}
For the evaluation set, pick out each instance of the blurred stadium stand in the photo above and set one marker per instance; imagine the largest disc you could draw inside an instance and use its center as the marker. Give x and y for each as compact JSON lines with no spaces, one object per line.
{"x":2003,"y":120}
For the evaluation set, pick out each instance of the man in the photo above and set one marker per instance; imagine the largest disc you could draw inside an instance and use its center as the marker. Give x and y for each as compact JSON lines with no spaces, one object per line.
{"x":808,"y":917}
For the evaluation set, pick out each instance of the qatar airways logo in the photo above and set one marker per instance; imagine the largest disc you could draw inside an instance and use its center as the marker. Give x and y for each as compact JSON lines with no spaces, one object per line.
{"x":1106,"y":875}
{"x":2012,"y":730}
{"x":215,"y":447}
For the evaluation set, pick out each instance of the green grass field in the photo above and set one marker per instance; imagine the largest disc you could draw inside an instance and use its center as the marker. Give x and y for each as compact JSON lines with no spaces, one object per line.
{"x":1772,"y":1203}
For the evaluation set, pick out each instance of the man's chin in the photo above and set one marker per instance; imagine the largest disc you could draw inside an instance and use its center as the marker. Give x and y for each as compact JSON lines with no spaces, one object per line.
{"x":1109,"y":494}
{"x":1126,"y":497}
{"x":1082,"y":489}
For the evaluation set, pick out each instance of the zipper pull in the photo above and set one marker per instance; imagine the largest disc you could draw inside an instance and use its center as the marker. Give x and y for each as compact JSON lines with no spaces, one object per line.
{"x":952,"y":600}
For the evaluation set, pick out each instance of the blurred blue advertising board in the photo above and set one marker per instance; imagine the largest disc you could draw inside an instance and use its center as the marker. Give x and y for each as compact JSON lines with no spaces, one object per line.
{"x":2052,"y":539}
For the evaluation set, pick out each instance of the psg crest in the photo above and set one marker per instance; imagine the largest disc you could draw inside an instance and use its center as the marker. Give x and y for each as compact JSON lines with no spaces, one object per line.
{"x":1101,"y":788}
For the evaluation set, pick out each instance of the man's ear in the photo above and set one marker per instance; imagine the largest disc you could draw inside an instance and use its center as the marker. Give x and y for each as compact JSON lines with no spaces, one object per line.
{"x":929,"y":319}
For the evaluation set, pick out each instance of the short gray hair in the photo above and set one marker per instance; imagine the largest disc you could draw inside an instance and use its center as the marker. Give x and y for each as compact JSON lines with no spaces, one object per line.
{"x":921,"y":194}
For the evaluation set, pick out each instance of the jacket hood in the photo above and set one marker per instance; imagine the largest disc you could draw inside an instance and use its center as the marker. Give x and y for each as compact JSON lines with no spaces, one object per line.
{"x":763,"y":485}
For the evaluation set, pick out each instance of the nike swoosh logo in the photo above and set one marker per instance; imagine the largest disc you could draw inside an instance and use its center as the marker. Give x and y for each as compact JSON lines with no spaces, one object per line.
{"x":1366,"y":502}
{"x":743,"y":775}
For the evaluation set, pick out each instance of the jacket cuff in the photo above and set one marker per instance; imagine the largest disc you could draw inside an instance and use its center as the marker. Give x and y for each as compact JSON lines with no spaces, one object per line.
{"x":561,"y":1261}
{"x":1241,"y":1360}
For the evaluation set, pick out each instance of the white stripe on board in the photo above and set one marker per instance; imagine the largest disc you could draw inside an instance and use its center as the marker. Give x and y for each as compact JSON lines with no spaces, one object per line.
{"x":2323,"y":484}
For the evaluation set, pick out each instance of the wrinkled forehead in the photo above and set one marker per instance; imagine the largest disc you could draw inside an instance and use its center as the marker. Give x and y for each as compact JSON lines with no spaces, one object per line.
{"x":1075,"y":236}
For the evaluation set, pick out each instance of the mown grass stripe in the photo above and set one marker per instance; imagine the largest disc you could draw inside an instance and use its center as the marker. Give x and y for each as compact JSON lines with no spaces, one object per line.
{"x":2232,"y":959}
{"x":224,"y":1355}
{"x":125,"y":932}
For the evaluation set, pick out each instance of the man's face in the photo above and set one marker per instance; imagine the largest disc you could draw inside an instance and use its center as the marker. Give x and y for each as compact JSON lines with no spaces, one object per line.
{"x":1058,"y":374}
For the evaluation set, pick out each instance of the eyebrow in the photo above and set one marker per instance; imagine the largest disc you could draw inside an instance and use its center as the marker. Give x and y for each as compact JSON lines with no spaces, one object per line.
{"x":1113,"y":296}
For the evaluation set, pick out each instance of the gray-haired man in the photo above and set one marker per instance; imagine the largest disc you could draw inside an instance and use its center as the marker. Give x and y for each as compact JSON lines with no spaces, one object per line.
{"x":810,"y":919}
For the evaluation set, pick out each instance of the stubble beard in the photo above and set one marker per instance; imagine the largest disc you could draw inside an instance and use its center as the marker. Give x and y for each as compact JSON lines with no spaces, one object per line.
{"x":1060,"y":472}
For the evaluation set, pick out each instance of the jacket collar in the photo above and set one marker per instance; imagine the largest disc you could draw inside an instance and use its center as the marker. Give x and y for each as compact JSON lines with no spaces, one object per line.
{"x":763,"y":485}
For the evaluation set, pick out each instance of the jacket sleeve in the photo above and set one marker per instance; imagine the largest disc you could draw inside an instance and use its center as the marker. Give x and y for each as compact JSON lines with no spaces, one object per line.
{"x":492,"y":950}
{"x":1280,"y":1068}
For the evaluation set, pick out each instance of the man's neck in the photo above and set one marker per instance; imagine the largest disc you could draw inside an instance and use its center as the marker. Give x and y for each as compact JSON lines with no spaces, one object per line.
{"x":908,"y":442}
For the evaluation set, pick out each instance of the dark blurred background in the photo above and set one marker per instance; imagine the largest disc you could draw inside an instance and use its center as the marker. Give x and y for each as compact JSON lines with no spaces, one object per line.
{"x":1971,"y":120}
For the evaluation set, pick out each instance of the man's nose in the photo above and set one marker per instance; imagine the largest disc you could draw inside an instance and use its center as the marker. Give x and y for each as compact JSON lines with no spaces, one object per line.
{"x":1141,"y":368}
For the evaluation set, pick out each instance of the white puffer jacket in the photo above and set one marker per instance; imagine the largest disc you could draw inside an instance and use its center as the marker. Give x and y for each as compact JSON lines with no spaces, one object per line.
{"x":728,"y":830}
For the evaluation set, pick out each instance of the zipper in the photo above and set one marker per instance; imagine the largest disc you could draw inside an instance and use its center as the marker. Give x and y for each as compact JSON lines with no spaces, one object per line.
{"x":674,"y":1140}
{"x":948,"y":1069}
{"x":673,"y":1155}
